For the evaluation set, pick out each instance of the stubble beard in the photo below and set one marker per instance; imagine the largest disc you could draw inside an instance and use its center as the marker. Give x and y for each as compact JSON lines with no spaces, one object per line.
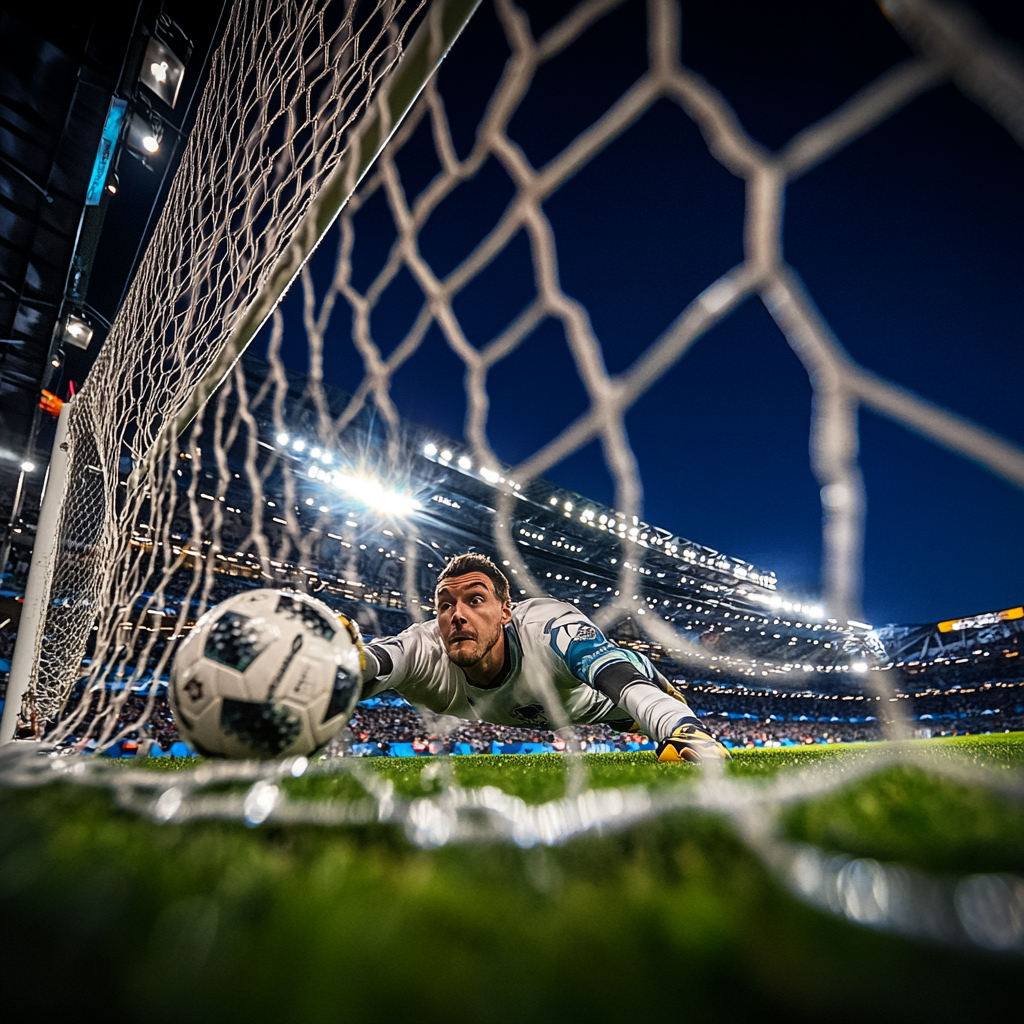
{"x":467,"y":657}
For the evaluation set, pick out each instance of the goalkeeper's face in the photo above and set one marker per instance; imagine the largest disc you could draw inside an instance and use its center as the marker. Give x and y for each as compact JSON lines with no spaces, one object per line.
{"x":470,"y":618}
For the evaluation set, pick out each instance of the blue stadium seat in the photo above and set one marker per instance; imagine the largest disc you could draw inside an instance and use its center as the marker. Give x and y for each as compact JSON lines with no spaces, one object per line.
{"x":181,"y":749}
{"x":401,"y":750}
{"x":462,"y":749}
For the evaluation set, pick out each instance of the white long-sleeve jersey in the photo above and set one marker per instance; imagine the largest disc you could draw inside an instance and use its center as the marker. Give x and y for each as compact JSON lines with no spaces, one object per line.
{"x":555,"y":653}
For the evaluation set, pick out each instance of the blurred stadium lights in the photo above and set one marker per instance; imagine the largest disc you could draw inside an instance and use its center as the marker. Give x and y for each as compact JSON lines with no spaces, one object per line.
{"x":369,"y":492}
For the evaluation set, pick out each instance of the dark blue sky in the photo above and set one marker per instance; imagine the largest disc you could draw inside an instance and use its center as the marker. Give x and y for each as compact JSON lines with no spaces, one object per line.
{"x":911,"y":241}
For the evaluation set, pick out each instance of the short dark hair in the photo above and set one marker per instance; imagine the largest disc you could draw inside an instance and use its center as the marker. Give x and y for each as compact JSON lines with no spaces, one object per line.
{"x":459,"y":565}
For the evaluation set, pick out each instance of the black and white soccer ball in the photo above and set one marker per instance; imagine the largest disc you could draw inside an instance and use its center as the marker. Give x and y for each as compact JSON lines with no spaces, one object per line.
{"x":264,"y":674}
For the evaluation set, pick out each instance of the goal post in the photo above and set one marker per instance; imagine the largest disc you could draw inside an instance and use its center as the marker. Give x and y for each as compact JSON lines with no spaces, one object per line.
{"x":37,"y":590}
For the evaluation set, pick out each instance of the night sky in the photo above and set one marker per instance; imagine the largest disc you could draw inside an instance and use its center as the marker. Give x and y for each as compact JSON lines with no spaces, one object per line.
{"x":911,"y":242}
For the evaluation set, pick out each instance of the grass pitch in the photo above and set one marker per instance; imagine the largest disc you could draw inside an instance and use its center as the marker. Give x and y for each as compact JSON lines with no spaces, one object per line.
{"x":214,"y":921}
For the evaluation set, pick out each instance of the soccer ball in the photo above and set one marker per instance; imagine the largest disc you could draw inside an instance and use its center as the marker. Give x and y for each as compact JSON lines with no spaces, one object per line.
{"x":266,"y":673}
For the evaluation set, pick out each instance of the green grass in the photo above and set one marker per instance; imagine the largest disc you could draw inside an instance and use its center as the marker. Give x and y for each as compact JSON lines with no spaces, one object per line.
{"x":213,"y":921}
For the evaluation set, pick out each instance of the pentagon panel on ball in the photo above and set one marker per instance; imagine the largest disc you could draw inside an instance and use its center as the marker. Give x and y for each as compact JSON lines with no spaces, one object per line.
{"x":266,"y":673}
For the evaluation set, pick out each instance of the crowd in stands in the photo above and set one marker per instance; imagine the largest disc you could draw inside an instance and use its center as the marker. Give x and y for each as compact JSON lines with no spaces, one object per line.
{"x":399,"y":723}
{"x":159,"y":727}
{"x":737,"y":716}
{"x":743,"y":716}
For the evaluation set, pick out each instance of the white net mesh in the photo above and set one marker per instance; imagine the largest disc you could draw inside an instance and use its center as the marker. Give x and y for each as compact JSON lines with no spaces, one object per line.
{"x":285,"y":86}
{"x":226,"y":506}
{"x":124,"y":553}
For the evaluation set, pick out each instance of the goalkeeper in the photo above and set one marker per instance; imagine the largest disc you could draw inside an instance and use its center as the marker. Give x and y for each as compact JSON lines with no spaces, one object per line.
{"x":484,"y":660}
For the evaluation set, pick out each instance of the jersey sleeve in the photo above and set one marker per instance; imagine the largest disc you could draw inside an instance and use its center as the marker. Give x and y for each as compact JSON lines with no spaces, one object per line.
{"x":393,"y":661}
{"x":588,"y":654}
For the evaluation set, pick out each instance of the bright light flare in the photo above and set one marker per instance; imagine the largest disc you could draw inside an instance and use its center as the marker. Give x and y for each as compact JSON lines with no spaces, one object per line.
{"x":374,"y":495}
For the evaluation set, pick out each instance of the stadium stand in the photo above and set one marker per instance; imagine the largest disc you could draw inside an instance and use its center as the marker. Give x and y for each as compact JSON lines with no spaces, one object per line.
{"x":813,"y":672}
{"x":738,"y":716}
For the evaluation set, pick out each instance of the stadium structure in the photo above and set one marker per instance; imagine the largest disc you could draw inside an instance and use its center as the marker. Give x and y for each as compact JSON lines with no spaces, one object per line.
{"x":763,"y":657}
{"x":362,"y":505}
{"x":357,"y":507}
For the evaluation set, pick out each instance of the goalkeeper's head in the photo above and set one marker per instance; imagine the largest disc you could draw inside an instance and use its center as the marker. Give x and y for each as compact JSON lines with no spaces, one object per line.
{"x":473,"y":602}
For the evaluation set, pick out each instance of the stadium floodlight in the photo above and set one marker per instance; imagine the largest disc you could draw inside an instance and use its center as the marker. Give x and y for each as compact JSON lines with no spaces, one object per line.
{"x":374,"y":495}
{"x":145,"y":135}
{"x":315,"y":453}
{"x":28,"y":467}
{"x":162,"y":71}
{"x":859,"y":666}
{"x":446,"y":455}
{"x":282,"y":438}
{"x":77,"y":331}
{"x":430,"y":450}
{"x":299,"y":445}
{"x":326,"y":458}
{"x":465,"y":462}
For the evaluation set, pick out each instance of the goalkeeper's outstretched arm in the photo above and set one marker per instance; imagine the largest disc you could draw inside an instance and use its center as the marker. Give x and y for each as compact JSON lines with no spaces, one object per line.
{"x":631,"y":682}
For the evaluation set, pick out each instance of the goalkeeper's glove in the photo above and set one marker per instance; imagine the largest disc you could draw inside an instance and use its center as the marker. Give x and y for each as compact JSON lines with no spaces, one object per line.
{"x":688,"y":742}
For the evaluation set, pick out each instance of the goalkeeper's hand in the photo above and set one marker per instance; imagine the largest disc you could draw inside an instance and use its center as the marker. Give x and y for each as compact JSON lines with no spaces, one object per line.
{"x":689,"y":742}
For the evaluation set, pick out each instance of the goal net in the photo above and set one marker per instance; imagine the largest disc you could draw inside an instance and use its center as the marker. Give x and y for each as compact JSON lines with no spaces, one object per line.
{"x":180,"y":492}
